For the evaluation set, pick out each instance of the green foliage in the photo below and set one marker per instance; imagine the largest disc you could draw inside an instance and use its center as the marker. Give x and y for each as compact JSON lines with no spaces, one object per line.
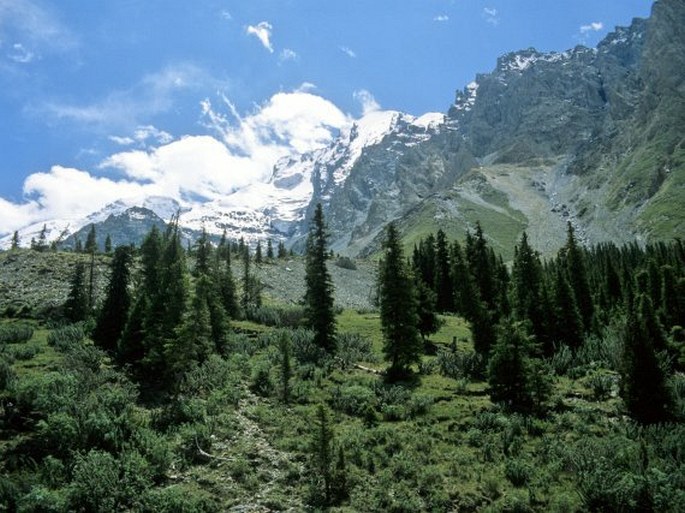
{"x":318,"y":298}
{"x":460,"y":365}
{"x":517,"y":379}
{"x":345,"y":262}
{"x":67,"y":338}
{"x":398,"y":308}
{"x":15,"y":333}
{"x":76,"y":306}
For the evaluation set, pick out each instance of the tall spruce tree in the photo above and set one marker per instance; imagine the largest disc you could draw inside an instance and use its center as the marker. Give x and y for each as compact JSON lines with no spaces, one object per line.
{"x":443,"y":283}
{"x":108,"y":244}
{"x":643,"y":384}
{"x":517,"y":379}
{"x":76,"y":305}
{"x":15,"y":240}
{"x":568,"y":323}
{"x":318,"y":297}
{"x":576,"y":269}
{"x":91,"y":241}
{"x":402,"y":345}
{"x":114,"y":312}
{"x":527,"y":289}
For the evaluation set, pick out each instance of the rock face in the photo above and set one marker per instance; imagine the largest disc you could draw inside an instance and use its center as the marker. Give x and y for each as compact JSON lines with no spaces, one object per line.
{"x":591,"y":136}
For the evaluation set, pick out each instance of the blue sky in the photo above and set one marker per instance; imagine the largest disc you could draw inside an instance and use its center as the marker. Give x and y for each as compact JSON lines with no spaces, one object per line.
{"x":104,"y":97}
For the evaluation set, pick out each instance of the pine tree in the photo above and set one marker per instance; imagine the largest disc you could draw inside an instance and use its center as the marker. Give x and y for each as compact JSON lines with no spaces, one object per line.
{"x":322,"y":447}
{"x":114,"y":312}
{"x":527,"y":289}
{"x":516,"y":378}
{"x":318,"y":297}
{"x":42,"y":243}
{"x":568,"y":324}
{"x":398,"y":308}
{"x":76,"y":306}
{"x":15,"y":240}
{"x":429,"y":322}
{"x":576,"y":268}
{"x":108,"y":244}
{"x":202,"y":255}
{"x":643,"y":384}
{"x":282,"y":252}
{"x":227,"y":288}
{"x":91,"y":241}
{"x":269,"y":250}
{"x":443,"y":283}
{"x":78,"y":246}
{"x":258,"y":253}
{"x":286,"y":368}
{"x":192,"y":343}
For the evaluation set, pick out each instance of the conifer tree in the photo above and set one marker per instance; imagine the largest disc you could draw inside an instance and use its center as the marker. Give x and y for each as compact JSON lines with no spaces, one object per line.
{"x":578,"y":277}
{"x":258,"y":253}
{"x":319,"y":313}
{"x":108,"y":244}
{"x":76,"y":306}
{"x":480,"y":264}
{"x":567,"y":319}
{"x":398,"y":308}
{"x":202,"y":254}
{"x":443,"y":283}
{"x":15,"y":240}
{"x":227,"y":288}
{"x":516,"y":378}
{"x":429,"y":322}
{"x":282,"y":252}
{"x":193,"y":341}
{"x":322,"y":458}
{"x":42,"y":243}
{"x":113,"y":314}
{"x":91,"y":241}
{"x":527,"y":288}
{"x":269,"y":250}
{"x":78,"y":246}
{"x":643,"y":384}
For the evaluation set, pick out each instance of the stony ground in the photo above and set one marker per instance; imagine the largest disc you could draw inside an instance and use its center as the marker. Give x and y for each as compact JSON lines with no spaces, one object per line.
{"x":39,"y":282}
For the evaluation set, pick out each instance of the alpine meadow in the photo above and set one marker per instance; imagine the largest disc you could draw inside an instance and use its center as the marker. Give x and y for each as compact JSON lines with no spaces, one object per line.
{"x":301,"y":309}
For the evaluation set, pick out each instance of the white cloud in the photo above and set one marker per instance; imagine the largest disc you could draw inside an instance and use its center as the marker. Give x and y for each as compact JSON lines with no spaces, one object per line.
{"x":351,"y":54}
{"x":20,"y":54}
{"x":366,"y":100}
{"x":262,"y":31}
{"x":243,"y":152}
{"x":491,"y":16}
{"x":226,"y":15}
{"x":143,"y":135}
{"x":125,"y":109}
{"x":441,"y":17}
{"x":288,"y":55}
{"x":595,"y":26}
{"x":32,"y":29}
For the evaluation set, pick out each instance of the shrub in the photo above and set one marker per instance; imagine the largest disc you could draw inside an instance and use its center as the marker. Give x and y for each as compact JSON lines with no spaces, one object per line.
{"x":178,"y":499}
{"x":518,"y":472}
{"x":66,"y":338}
{"x":261,"y":382}
{"x":601,"y":385}
{"x":346,"y":263}
{"x":460,"y":365}
{"x":354,"y":400}
{"x":353,"y":348}
{"x":277,"y":316}
{"x":24,"y":352}
{"x":15,"y":333}
{"x":7,"y":374}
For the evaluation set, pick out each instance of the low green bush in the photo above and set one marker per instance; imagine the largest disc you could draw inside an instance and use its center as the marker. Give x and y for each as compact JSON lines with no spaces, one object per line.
{"x":15,"y":333}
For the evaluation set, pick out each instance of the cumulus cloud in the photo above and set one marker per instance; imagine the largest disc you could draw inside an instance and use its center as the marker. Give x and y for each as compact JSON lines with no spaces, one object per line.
{"x":351,"y":54}
{"x":441,"y":17}
{"x":595,"y":26}
{"x":262,"y":31}
{"x":242,"y":151}
{"x":366,"y":100}
{"x":491,"y":16}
